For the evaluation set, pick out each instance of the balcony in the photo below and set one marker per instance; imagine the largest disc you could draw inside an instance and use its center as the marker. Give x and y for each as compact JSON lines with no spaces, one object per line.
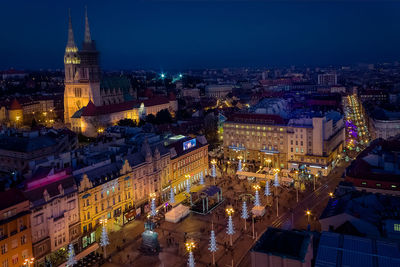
{"x":22,"y":228}
{"x":14,"y":232}
{"x":2,"y":237}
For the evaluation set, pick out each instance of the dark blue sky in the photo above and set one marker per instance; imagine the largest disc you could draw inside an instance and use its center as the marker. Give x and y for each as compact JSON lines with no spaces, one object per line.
{"x":183,"y":34}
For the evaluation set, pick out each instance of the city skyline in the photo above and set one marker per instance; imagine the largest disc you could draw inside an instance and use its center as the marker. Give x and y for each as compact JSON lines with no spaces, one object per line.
{"x":168,"y":35}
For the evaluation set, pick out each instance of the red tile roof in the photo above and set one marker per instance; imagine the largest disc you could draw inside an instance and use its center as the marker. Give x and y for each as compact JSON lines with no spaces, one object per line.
{"x":15,"y":105}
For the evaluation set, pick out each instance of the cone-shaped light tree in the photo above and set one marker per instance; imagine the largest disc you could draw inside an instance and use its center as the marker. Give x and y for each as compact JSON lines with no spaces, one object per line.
{"x":153,"y":211}
{"x":230,"y":228}
{"x":172,"y":196}
{"x":240,"y":164}
{"x":213,"y":245}
{"x":245,"y":214}
{"x":276,"y":185}
{"x":201,"y":178}
{"x":71,"y":256}
{"x":104,"y":241}
{"x":190,"y":245}
{"x":257,"y":202}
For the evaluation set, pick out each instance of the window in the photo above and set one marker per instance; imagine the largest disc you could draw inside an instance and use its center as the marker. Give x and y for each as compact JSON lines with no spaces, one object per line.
{"x":23,"y":240}
{"x":15,"y":259}
{"x":378,"y":185}
{"x":396,"y":227}
{"x":297,"y":150}
{"x":14,"y":243}
{"x":4,"y":263}
{"x":4,"y":249}
{"x":394,"y":186}
{"x":364,"y":183}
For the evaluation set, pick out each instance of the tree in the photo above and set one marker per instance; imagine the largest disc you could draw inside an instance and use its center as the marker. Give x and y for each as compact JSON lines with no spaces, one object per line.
{"x":163,"y":116}
{"x":151,"y":118}
{"x":71,"y":256}
{"x":127,"y":122}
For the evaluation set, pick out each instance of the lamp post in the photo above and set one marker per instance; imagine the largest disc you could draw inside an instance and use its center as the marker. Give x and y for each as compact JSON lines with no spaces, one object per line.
{"x":28,"y":262}
{"x":230,"y":230}
{"x":308,"y":213}
{"x":331,"y":195}
{"x":190,"y":246}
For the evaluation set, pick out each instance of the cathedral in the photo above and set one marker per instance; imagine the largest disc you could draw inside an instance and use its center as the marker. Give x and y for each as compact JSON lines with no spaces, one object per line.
{"x":93,"y":102}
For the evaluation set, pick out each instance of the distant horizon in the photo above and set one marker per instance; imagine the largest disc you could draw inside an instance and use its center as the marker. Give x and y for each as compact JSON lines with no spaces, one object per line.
{"x":182,"y":35}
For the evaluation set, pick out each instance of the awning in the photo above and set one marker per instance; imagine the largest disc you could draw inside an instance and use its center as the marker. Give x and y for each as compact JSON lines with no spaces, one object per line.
{"x":130,"y":214}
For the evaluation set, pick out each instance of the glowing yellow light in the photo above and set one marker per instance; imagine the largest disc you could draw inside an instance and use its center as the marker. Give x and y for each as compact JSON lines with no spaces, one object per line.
{"x":152,"y":195}
{"x":331,"y":194}
{"x":308,"y":212}
{"x":256,"y":187}
{"x":229,"y":210}
{"x":190,"y":245}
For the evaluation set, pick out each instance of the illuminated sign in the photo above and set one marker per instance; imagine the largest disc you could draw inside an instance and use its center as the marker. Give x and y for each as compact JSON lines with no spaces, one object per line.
{"x":189,"y":144}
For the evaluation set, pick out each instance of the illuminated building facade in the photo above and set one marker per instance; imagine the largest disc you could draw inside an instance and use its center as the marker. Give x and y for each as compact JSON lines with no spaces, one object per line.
{"x":54,"y":214}
{"x":119,"y":190}
{"x":83,"y":76}
{"x":271,"y":141}
{"x":189,"y":157}
{"x":93,"y":102}
{"x":15,"y":228}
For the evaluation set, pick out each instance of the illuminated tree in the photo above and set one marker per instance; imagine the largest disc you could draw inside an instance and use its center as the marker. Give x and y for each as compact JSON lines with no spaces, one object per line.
{"x":245,"y":213}
{"x":201,"y":178}
{"x":188,"y":186}
{"x":276,"y":181}
{"x":71,"y":256}
{"x":172,"y":196}
{"x":153,"y":211}
{"x":267,"y":191}
{"x":104,"y":241}
{"x":257,"y":199}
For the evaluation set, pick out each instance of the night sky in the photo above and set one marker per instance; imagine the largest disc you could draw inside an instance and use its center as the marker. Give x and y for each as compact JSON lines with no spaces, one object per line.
{"x":185,"y":34}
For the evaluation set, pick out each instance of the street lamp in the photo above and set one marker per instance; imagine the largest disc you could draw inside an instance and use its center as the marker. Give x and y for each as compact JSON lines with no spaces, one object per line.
{"x":308,"y":213}
{"x":190,"y":246}
{"x":230,"y":231}
{"x":28,"y":262}
{"x":331,"y":194}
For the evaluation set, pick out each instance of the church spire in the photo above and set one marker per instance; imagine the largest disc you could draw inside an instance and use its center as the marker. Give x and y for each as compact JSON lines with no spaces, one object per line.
{"x":71,"y":42}
{"x":88,"y":38}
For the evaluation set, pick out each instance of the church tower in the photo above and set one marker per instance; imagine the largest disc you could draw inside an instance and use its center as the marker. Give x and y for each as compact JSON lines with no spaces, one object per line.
{"x":82,"y":73}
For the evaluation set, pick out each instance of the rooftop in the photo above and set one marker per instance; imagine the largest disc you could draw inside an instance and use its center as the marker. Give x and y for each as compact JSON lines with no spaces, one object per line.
{"x":284,"y":243}
{"x":10,"y":198}
{"x":345,"y":250}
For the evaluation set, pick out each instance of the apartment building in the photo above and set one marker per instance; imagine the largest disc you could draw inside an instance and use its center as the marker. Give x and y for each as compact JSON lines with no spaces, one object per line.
{"x":270,"y":140}
{"x":15,"y":229}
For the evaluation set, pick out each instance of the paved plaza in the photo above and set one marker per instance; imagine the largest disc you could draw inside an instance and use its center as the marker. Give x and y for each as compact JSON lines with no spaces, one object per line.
{"x":126,"y":242}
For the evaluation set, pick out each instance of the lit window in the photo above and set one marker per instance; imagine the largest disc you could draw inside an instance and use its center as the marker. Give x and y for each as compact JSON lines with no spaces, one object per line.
{"x":393,"y":186}
{"x":364,"y":183}
{"x":396,"y":227}
{"x":378,"y":185}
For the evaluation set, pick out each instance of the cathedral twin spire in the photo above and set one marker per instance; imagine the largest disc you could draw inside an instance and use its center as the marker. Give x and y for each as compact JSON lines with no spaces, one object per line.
{"x":88,"y":42}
